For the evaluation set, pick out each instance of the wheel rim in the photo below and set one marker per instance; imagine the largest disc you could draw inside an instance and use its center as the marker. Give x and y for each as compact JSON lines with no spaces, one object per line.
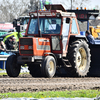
{"x":51,"y":67}
{"x":81,"y":59}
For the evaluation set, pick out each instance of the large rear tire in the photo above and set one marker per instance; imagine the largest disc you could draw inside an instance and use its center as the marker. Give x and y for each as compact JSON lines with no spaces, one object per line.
{"x":48,"y":68}
{"x":12,"y":68}
{"x":79,"y":58}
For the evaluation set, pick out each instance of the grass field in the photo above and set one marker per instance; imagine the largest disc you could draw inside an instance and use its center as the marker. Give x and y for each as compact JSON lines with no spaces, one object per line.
{"x":1,"y":74}
{"x":49,"y":94}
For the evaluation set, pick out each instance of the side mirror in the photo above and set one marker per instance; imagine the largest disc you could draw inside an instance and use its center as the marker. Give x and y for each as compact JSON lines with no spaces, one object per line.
{"x":20,"y":28}
{"x":67,"y":20}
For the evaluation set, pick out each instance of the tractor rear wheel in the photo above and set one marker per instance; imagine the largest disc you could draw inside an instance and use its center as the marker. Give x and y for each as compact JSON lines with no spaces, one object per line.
{"x":12,"y":68}
{"x":48,"y":68}
{"x":79,"y":58}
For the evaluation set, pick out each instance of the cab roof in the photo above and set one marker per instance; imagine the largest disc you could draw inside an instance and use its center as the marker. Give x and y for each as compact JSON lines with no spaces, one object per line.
{"x":53,"y":10}
{"x":55,"y":7}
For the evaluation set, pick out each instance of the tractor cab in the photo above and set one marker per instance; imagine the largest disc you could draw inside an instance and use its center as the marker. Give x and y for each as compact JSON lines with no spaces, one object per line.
{"x":54,"y":24}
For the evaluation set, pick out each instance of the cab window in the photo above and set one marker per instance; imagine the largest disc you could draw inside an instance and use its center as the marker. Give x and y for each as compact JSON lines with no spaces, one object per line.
{"x":47,"y":26}
{"x":74,"y":29}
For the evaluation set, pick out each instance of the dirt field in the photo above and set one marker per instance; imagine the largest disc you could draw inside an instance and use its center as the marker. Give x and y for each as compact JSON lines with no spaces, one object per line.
{"x":26,"y":83}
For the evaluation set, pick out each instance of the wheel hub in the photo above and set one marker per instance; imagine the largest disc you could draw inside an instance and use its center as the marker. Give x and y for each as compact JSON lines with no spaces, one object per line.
{"x":81,"y":59}
{"x":51,"y":67}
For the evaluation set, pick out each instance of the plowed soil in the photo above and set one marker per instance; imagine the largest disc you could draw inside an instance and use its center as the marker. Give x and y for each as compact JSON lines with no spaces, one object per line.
{"x":26,"y":83}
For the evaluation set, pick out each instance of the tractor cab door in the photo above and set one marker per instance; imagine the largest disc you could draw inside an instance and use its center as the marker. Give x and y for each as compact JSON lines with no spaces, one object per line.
{"x":65,"y":32}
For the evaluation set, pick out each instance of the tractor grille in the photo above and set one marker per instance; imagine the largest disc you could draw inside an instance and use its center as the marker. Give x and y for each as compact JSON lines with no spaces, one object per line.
{"x":26,"y":41}
{"x":26,"y":51}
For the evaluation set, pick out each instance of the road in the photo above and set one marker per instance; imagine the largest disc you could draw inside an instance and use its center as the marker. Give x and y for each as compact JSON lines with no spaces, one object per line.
{"x":26,"y":83}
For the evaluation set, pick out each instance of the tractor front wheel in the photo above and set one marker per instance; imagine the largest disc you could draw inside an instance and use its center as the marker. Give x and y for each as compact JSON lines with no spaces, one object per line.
{"x":48,"y":68}
{"x":12,"y":68}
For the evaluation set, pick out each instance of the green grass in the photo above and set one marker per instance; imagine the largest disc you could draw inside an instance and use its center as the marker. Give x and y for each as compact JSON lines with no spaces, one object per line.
{"x":1,"y":74}
{"x":0,"y":69}
{"x":49,"y":94}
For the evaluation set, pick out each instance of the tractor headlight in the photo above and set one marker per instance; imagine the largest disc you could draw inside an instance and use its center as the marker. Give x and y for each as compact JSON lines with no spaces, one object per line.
{"x":30,"y":47}
{"x":21,"y":47}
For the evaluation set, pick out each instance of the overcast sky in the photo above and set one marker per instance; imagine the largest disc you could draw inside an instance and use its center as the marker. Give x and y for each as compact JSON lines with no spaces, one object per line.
{"x":95,"y":2}
{"x":92,"y":5}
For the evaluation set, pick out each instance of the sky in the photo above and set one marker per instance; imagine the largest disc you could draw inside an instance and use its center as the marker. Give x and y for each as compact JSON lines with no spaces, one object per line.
{"x":92,"y":5}
{"x":95,"y":2}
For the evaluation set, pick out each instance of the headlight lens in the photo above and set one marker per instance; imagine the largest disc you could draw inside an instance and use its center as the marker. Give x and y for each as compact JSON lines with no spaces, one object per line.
{"x":30,"y":47}
{"x":21,"y":47}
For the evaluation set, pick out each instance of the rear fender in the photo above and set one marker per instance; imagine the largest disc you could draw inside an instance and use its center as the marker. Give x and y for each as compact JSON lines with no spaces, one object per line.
{"x":77,"y":37}
{"x":81,"y":37}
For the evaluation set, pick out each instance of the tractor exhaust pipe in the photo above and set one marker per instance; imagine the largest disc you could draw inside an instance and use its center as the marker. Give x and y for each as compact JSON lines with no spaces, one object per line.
{"x":39,"y":31}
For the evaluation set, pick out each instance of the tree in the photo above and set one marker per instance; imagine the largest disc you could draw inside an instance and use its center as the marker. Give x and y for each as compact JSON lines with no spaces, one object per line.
{"x":33,"y":5}
{"x":12,"y":9}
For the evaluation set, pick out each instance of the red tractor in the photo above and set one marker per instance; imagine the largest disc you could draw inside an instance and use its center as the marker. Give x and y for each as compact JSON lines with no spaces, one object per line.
{"x":52,"y":40}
